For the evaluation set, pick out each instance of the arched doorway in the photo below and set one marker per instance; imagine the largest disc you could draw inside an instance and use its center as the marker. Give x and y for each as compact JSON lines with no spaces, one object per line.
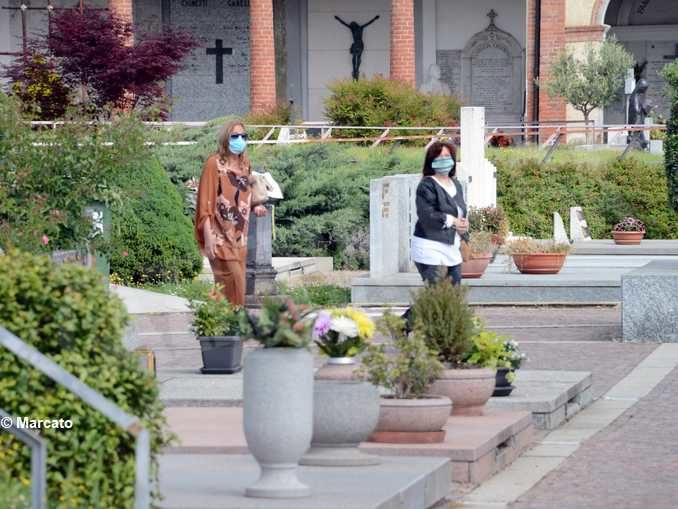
{"x":649,"y":30}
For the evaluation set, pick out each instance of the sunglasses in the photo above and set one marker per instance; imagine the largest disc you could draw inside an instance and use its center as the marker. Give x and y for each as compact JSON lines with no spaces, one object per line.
{"x":239,"y":135}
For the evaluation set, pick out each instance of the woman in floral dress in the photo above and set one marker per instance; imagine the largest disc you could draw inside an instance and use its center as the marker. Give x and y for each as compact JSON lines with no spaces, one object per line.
{"x":222,"y":213}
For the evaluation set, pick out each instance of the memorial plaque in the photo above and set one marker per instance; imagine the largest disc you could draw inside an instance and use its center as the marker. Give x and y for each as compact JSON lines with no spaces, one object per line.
{"x":215,"y":79}
{"x":492,"y":80}
{"x":449,"y":62}
{"x":492,"y":73}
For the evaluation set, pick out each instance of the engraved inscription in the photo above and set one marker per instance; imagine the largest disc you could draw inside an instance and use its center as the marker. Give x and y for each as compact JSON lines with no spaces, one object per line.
{"x":449,"y":62}
{"x":492,"y":80}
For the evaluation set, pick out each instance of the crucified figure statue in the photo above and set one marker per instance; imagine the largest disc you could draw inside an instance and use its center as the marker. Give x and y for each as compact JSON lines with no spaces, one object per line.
{"x":358,"y":45}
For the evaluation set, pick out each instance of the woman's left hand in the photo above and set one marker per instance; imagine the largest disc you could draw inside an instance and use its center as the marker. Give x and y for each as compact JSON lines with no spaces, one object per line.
{"x":259,"y":210}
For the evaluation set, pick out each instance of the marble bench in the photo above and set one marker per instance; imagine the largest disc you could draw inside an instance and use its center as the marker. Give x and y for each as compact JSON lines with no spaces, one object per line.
{"x":650,"y":302}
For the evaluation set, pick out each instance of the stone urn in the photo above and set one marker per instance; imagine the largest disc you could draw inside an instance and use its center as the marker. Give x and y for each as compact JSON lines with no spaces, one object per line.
{"x":278,"y":418}
{"x":539,"y":263}
{"x":628,"y":238}
{"x":475,"y":267}
{"x":412,"y":421}
{"x":345,"y":412}
{"x":469,"y":389}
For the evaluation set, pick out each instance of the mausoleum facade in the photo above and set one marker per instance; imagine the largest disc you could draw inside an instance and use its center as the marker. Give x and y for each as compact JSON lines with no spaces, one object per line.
{"x":256,"y":53}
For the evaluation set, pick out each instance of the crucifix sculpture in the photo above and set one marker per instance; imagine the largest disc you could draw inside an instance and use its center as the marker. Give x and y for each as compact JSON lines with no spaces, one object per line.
{"x":358,"y":45}
{"x":219,"y":51}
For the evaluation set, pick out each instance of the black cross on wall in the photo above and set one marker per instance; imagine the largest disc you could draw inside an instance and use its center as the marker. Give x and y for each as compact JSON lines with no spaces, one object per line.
{"x":674,"y":56}
{"x":219,"y":51}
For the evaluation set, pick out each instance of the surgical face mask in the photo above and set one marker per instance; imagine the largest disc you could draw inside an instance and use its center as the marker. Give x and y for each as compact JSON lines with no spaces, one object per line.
{"x":442,"y":165}
{"x":237,"y":144}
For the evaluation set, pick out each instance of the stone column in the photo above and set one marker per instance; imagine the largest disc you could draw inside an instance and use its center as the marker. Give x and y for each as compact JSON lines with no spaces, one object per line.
{"x":402,"y":42}
{"x":262,"y":57}
{"x":260,"y":279}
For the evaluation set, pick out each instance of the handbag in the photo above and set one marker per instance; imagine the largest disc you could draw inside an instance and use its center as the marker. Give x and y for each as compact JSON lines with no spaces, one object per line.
{"x":259,"y":189}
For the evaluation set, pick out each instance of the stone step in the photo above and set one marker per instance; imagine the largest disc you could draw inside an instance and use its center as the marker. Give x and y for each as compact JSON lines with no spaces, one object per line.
{"x":552,"y":397}
{"x":608,"y":247}
{"x":218,"y":481}
{"x":478,"y":447}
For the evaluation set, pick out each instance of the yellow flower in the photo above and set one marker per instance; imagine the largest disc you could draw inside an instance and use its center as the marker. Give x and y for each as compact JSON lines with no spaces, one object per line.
{"x":366,"y":326}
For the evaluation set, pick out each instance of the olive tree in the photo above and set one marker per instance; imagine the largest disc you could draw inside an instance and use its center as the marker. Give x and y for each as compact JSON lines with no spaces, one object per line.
{"x":592,"y":80}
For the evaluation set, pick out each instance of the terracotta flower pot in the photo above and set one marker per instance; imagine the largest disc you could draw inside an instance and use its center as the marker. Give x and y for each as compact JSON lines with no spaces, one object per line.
{"x":412,"y":420}
{"x":539,"y":263}
{"x":469,"y":389}
{"x":628,"y":238}
{"x":475,"y":267}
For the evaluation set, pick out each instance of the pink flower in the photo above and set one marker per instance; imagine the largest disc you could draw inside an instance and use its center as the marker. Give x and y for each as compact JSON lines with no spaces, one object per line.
{"x":45,"y":240}
{"x":125,"y":253}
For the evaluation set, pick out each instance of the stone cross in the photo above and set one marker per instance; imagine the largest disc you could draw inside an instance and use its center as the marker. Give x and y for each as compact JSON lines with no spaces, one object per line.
{"x":492,"y":14}
{"x":260,"y":279}
{"x":219,"y":51}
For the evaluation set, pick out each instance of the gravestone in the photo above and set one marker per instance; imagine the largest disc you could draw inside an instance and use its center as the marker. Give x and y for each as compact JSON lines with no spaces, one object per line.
{"x":214,"y":80}
{"x":449,"y":62}
{"x":579,"y":228}
{"x":260,"y":279}
{"x":559,"y":233}
{"x":492,"y":73}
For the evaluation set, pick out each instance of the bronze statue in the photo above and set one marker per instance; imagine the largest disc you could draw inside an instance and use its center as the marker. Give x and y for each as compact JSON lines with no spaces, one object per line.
{"x":358,"y":45}
{"x":639,"y":108}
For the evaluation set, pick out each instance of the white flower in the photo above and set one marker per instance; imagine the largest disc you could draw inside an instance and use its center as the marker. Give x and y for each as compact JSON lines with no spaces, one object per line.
{"x":345,"y":326}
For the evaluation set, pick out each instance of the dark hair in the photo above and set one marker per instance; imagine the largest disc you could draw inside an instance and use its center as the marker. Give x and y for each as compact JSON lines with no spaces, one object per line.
{"x":434,"y":151}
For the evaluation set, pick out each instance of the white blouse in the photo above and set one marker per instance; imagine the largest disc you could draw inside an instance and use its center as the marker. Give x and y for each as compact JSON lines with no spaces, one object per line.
{"x":432,"y":252}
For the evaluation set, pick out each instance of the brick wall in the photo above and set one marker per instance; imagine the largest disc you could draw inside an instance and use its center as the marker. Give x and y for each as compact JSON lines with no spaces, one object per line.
{"x":262,"y":57}
{"x":402,"y":60}
{"x":123,"y":9}
{"x":552,"y":44}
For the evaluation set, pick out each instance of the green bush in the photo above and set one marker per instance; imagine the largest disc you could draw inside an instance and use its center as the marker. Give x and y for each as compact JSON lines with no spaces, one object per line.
{"x":670,"y":74}
{"x":606,"y":188}
{"x":317,"y":294}
{"x":382,"y":102}
{"x":152,"y":237}
{"x":67,"y":314}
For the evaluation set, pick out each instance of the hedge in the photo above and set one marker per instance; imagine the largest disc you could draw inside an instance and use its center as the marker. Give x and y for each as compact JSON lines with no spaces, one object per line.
{"x":68,"y":315}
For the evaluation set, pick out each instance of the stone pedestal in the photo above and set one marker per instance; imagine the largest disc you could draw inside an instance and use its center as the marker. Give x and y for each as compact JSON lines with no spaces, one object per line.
{"x":260,"y":279}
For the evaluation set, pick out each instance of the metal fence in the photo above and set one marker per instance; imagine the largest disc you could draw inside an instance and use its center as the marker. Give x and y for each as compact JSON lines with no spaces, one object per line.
{"x":129,"y":423}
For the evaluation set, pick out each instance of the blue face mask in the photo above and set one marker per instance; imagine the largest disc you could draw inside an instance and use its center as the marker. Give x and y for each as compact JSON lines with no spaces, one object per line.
{"x":237,"y":145}
{"x":442,"y":165}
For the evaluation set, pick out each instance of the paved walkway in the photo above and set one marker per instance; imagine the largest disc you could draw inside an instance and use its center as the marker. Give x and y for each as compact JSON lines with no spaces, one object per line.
{"x":631,"y":464}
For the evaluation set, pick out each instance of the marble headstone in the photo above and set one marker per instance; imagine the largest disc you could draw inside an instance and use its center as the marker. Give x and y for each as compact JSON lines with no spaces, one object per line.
{"x":559,"y":233}
{"x":579,"y":228}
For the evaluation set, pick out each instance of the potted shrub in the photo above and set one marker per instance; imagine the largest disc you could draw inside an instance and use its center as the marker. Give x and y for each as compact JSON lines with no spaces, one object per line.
{"x":278,"y":397}
{"x":489,"y":219}
{"x":445,"y":320}
{"x":497,"y":352}
{"x":538,"y":256}
{"x":628,"y":232}
{"x":218,"y":327}
{"x":345,"y":407}
{"x":482,"y":247}
{"x":409,"y":413}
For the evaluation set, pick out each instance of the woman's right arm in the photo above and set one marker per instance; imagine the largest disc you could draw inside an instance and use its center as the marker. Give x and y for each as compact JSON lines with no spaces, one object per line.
{"x":427,"y":212}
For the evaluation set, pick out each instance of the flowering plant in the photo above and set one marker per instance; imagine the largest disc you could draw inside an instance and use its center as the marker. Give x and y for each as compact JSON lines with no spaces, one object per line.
{"x":491,"y":350}
{"x":342,"y":332}
{"x":630,"y":224}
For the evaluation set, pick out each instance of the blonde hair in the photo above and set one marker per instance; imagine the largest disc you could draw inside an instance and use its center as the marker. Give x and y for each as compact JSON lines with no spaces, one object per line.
{"x":223,"y":140}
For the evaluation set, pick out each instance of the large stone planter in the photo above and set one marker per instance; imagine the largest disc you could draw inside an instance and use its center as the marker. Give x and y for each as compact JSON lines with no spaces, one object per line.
{"x":628,"y":238}
{"x":345,"y":412}
{"x":416,"y":421}
{"x":278,"y":418}
{"x":469,"y":389}
{"x":475,"y":267}
{"x":539,"y":263}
